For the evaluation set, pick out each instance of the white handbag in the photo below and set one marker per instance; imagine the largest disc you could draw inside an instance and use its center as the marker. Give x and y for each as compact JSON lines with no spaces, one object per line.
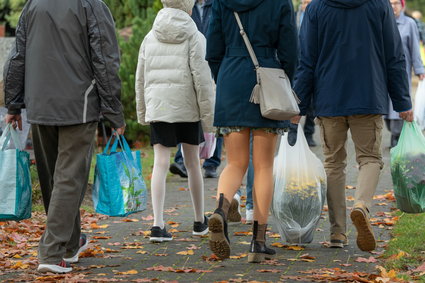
{"x":273,"y":90}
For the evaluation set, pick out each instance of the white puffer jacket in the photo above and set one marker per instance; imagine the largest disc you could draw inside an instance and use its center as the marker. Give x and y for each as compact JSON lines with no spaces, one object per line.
{"x":173,"y":79}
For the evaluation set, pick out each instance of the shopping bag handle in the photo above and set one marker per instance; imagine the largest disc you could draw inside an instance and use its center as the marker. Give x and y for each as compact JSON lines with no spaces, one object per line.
{"x":119,"y":139}
{"x":8,"y":132}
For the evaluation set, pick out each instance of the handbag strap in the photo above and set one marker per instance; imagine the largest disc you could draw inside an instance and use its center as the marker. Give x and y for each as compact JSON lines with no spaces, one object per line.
{"x":247,"y":42}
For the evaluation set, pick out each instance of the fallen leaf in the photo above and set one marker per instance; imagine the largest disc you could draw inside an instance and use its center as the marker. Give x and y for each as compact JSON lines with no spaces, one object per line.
{"x":130,"y":272}
{"x":212,"y":257}
{"x":278,"y":245}
{"x":170,"y":269}
{"x":420,"y":268}
{"x":295,"y":248}
{"x":147,"y":218}
{"x":345,"y":264}
{"x":268,"y":270}
{"x":238,"y":256}
{"x":350,"y":187}
{"x":188,"y":252}
{"x":183,"y":189}
{"x":141,"y":252}
{"x":130,"y":220}
{"x":274,"y":235}
{"x":367,"y":260}
{"x":101,"y":237}
{"x":95,"y":226}
{"x":242,"y":233}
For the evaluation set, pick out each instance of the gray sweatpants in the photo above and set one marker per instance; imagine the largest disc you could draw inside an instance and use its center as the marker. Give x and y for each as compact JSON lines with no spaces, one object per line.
{"x":63,"y":155}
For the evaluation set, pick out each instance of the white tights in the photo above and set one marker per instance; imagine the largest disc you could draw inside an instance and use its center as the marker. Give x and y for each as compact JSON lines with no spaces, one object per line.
{"x":159,"y":174}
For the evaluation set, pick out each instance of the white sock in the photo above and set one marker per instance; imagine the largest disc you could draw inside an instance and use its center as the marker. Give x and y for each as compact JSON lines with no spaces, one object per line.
{"x":159,"y":175}
{"x":196,"y":181}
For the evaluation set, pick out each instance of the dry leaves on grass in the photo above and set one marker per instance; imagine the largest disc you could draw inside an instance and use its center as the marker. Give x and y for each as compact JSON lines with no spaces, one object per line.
{"x":367,"y":260}
{"x":171,"y":269}
{"x":331,"y":274}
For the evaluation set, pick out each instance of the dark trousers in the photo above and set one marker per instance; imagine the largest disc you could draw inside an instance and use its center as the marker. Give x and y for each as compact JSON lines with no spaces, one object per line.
{"x":63,"y":156}
{"x":214,"y":161}
{"x":308,"y":126}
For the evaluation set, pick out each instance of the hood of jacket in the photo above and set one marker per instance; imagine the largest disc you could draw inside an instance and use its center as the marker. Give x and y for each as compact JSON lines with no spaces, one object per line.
{"x":173,"y":26}
{"x":345,"y":4}
{"x":241,"y":5}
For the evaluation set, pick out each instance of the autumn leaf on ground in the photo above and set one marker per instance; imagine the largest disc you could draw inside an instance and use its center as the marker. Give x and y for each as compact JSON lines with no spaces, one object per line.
{"x":183,"y":189}
{"x":295,"y":248}
{"x":238,"y":256}
{"x":399,"y":255}
{"x":367,"y":260}
{"x":244,"y":243}
{"x":19,"y":265}
{"x":170,"y":269}
{"x":188,"y":252}
{"x":173,"y":231}
{"x":92,"y":252}
{"x":307,"y":257}
{"x":193,"y":247}
{"x":420,"y":268}
{"x":108,"y":250}
{"x":130,"y":220}
{"x":268,"y":270}
{"x":392,"y":274}
{"x":95,"y":226}
{"x":278,"y":245}
{"x":274,"y":235}
{"x":101,"y":237}
{"x":160,"y":254}
{"x":212,"y":257}
{"x":350,"y":198}
{"x":350,"y":187}
{"x":141,"y":252}
{"x":147,"y":218}
{"x":130,"y":272}
{"x":345,"y":264}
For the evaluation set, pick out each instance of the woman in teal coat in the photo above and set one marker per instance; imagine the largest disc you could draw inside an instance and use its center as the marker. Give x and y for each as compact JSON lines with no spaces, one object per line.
{"x":270,"y":26}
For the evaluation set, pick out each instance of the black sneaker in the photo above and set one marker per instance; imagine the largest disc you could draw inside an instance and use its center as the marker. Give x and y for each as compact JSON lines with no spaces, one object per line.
{"x":199,"y":228}
{"x":210,"y":172}
{"x":160,"y":235}
{"x":178,"y":169}
{"x":83,"y":246}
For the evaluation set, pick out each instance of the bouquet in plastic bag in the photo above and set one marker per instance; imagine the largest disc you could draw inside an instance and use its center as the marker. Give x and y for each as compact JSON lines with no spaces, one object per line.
{"x":408,"y":169}
{"x":299,"y":190}
{"x":420,"y":105}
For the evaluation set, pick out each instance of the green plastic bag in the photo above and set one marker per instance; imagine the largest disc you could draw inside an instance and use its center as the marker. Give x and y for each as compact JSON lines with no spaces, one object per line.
{"x":408,"y":169}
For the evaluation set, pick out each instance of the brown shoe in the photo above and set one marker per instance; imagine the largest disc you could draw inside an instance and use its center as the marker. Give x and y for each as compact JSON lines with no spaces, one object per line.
{"x":365,"y":238}
{"x":338,"y":240}
{"x":234,"y":214}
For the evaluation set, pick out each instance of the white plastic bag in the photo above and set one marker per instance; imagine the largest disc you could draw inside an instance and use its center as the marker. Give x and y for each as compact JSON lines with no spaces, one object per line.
{"x":419,"y":109}
{"x":299,"y":190}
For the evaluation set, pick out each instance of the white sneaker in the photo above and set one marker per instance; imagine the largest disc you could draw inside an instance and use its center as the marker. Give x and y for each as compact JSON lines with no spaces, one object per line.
{"x":84,"y":243}
{"x":249,"y":216}
{"x":62,"y":267}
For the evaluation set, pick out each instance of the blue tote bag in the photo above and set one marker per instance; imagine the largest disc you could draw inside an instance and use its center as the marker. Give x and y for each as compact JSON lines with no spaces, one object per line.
{"x":119,"y":188}
{"x":15,"y":178}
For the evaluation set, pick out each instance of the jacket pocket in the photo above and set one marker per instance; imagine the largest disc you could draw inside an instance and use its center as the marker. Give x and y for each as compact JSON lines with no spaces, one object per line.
{"x":86,"y":95}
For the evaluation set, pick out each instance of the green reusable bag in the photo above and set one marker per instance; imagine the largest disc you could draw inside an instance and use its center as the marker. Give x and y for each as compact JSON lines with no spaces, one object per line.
{"x":408,"y":169}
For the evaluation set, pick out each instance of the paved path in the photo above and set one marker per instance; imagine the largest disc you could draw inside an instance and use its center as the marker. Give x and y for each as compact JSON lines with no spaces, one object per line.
{"x":180,"y":211}
{"x":134,"y":253}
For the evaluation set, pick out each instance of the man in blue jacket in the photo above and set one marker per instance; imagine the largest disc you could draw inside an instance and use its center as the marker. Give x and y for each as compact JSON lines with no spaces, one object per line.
{"x":351,"y":59}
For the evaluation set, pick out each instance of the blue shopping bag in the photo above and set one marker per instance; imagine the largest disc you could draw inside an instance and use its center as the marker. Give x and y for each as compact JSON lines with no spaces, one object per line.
{"x":15,"y":178}
{"x":119,"y":188}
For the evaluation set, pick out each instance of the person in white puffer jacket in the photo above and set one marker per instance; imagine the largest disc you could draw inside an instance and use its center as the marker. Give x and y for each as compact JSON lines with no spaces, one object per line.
{"x":174,"y":94}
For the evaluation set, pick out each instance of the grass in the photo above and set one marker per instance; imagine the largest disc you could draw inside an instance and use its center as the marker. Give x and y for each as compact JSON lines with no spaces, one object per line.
{"x":406,"y":250}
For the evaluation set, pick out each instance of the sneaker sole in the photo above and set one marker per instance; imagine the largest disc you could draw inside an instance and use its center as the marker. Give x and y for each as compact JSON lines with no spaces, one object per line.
{"x":217,"y":240}
{"x":53,"y":268}
{"x":233,"y":214}
{"x":258,"y":257}
{"x":336,"y":245}
{"x":160,"y":239}
{"x":75,"y":258}
{"x":200,"y":233}
{"x":365,"y":238}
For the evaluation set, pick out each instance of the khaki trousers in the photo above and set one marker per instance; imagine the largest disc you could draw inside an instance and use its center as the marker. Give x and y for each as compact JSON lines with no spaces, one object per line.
{"x":366,"y":133}
{"x":63,"y":155}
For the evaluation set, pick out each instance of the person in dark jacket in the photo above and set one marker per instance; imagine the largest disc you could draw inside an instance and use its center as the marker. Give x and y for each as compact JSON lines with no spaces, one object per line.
{"x":64,"y":71}
{"x":351,"y":59}
{"x":201,"y":15}
{"x":275,"y":44}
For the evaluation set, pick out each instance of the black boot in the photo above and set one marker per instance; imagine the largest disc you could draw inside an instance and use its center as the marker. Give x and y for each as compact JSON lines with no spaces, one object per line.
{"x":258,"y":250}
{"x":217,"y":224}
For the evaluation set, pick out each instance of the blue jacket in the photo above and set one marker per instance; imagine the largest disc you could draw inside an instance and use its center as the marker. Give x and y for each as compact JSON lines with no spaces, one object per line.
{"x":206,"y":15}
{"x":275,"y":44}
{"x":351,"y":59}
